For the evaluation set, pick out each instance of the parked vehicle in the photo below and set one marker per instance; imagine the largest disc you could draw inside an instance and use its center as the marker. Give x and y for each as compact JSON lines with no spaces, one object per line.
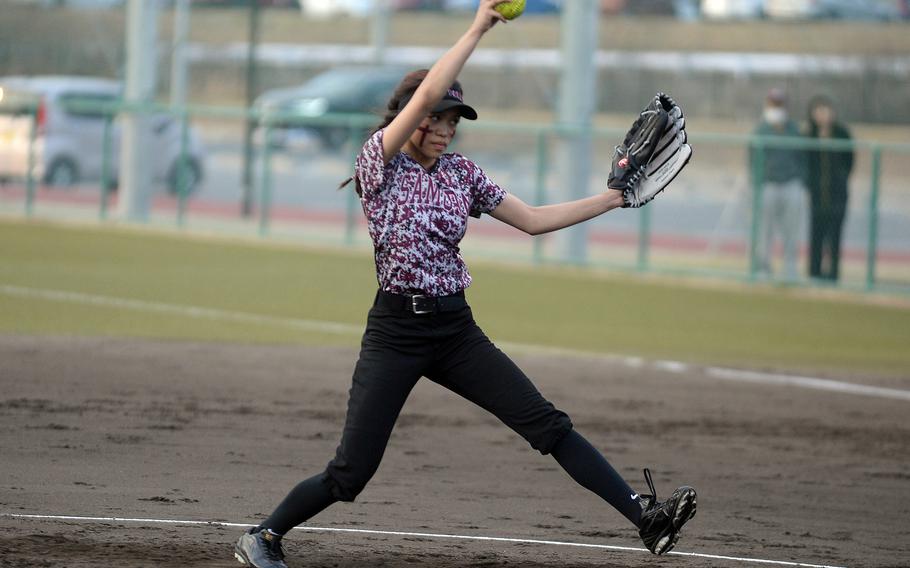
{"x":732,"y":9}
{"x":338,"y":90}
{"x":69,"y":138}
{"x":682,"y":9}
{"x":531,"y":6}
{"x":78,"y":4}
{"x":356,"y":8}
{"x":874,"y":10}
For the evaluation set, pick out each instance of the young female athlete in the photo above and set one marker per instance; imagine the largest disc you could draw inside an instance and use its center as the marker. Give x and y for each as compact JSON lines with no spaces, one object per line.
{"x":417,"y":199}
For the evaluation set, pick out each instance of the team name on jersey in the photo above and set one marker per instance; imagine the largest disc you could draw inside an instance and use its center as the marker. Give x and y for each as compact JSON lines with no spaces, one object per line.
{"x":425,"y":191}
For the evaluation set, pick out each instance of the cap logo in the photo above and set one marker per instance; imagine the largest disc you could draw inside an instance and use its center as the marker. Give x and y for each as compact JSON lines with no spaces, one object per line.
{"x":455,"y":95}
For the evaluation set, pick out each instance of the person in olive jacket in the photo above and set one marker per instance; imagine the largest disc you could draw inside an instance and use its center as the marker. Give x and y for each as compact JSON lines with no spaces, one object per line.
{"x":828,"y":175}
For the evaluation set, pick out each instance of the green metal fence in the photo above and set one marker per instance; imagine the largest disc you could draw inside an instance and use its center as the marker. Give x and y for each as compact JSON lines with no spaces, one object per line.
{"x":535,"y":150}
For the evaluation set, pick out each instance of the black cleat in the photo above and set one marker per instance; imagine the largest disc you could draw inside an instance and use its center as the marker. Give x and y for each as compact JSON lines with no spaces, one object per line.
{"x":260,"y":549}
{"x":661,"y":522}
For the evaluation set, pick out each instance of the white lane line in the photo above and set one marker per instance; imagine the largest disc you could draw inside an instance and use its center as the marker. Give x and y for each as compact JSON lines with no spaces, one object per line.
{"x":181,"y":310}
{"x":421,"y":535}
{"x":672,"y":366}
{"x":337,"y":328}
{"x":806,"y":382}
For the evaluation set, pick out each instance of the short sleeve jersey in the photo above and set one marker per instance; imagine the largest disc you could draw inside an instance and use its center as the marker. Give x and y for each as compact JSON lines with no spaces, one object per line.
{"x":417,"y":217}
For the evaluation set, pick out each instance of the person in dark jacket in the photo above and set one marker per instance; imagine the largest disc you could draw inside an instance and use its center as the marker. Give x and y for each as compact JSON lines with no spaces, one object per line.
{"x":828,"y":175}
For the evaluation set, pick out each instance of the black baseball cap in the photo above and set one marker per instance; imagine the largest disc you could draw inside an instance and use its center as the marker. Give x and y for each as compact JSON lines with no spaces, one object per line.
{"x":454,"y":98}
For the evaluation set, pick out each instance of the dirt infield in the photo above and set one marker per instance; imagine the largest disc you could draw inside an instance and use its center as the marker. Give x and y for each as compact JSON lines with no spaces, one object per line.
{"x":168,"y":430}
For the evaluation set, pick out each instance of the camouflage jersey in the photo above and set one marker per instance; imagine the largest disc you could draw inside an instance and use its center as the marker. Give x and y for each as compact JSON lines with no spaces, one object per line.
{"x":417,"y":217}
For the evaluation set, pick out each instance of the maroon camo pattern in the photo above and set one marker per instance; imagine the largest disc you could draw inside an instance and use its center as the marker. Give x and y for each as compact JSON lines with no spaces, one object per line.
{"x":416,"y":217}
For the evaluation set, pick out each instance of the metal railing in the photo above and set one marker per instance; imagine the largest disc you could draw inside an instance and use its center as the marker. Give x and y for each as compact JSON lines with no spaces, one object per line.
{"x":543,"y":136}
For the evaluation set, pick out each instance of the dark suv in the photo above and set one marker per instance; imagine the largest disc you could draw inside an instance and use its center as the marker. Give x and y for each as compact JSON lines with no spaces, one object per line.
{"x":338,"y":90}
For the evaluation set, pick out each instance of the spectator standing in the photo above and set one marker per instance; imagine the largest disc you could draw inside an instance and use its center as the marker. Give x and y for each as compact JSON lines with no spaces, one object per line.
{"x":828,"y":175}
{"x":779,"y":174}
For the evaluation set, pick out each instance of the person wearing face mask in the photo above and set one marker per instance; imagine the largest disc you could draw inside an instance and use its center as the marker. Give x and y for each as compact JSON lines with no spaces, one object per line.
{"x":829,"y":171}
{"x":778,"y":173}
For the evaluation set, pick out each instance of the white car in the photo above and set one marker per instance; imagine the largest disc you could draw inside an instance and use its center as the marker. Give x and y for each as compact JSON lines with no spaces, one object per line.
{"x":329,"y":8}
{"x":69,"y":139}
{"x":732,"y":9}
{"x":875,"y":10}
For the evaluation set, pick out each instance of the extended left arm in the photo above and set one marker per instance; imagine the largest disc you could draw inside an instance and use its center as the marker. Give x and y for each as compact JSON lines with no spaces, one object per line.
{"x":651,"y":155}
{"x":546,"y":218}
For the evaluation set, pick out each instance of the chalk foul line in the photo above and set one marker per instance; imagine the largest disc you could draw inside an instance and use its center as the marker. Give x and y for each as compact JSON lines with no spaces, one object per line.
{"x":195,"y":312}
{"x":337,"y":328}
{"x":441,"y":536}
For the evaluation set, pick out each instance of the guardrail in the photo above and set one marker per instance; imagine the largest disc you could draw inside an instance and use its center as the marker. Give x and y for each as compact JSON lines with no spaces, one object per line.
{"x":542,"y":134}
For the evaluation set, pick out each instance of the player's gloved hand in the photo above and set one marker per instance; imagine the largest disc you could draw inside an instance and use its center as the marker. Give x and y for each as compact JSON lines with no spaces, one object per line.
{"x":652,"y":153}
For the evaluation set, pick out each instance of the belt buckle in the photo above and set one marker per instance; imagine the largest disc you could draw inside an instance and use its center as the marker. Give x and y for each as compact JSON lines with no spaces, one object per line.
{"x":417,"y":298}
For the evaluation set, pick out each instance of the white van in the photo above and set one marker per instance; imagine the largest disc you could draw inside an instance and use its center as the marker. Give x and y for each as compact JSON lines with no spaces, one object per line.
{"x":70,"y":138}
{"x":732,"y":9}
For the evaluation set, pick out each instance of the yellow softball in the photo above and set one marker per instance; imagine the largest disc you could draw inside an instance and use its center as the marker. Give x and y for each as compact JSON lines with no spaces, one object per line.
{"x":511,"y":9}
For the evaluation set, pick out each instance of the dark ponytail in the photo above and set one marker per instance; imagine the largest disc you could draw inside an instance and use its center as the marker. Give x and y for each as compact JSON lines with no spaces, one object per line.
{"x":403,"y":91}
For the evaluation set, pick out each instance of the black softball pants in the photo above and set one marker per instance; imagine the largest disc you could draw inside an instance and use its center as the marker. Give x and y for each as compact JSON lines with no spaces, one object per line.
{"x":399,"y":348}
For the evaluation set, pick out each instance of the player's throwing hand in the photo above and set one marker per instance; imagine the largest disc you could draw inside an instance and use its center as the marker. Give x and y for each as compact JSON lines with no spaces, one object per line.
{"x":487,"y":16}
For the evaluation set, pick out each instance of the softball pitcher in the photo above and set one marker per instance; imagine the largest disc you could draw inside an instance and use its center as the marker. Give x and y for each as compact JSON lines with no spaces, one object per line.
{"x":417,"y":199}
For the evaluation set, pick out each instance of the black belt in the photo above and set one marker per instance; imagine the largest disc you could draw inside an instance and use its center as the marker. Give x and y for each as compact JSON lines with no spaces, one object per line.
{"x":419,"y":303}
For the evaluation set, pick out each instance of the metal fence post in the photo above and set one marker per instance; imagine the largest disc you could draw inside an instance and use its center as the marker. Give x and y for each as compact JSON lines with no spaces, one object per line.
{"x":872,"y":250}
{"x":644,"y":237}
{"x":106,"y":182}
{"x":540,"y":188}
{"x":182,"y":174}
{"x":350,"y":204}
{"x":30,"y":172}
{"x":265,"y":204}
{"x":758,"y":186}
